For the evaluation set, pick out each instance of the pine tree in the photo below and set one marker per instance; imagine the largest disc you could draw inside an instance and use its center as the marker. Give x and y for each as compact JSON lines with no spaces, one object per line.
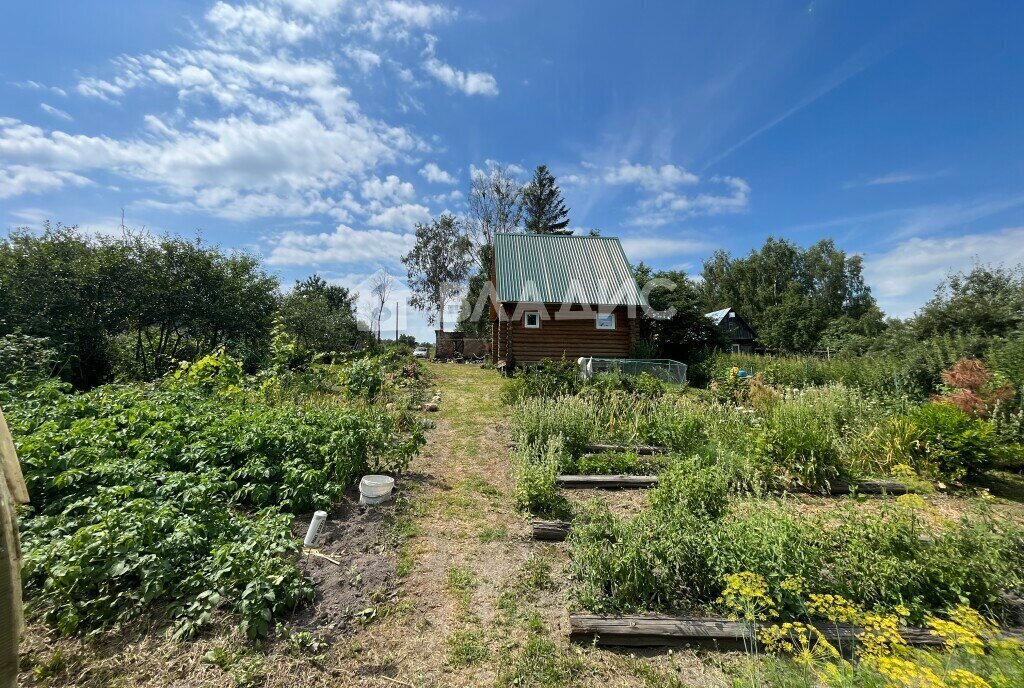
{"x":544,"y":206}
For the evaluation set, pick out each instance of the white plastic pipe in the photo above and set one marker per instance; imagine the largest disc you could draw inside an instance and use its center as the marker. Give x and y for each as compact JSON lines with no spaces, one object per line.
{"x":314,"y":528}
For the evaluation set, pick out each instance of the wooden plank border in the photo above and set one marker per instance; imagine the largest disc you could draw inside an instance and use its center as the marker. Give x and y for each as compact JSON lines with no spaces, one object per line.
{"x":716,"y":633}
{"x":606,"y":482}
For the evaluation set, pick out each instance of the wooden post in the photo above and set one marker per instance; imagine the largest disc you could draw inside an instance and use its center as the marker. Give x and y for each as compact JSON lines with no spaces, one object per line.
{"x":12,"y":492}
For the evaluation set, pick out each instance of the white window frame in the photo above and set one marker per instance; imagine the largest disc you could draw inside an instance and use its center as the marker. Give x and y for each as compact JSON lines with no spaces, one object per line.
{"x":735,"y":348}
{"x":599,"y":326}
{"x":526,"y":320}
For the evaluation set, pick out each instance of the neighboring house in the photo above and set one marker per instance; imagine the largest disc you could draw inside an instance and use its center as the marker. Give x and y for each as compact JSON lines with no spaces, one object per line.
{"x":562,"y":296}
{"x":734,"y":329}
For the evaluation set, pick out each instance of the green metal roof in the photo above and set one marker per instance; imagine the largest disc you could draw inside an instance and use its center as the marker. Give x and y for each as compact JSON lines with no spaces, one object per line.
{"x":564,"y":268}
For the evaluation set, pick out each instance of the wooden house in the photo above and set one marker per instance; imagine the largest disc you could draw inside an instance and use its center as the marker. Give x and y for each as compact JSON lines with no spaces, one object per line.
{"x":562,"y":296}
{"x":734,"y":329}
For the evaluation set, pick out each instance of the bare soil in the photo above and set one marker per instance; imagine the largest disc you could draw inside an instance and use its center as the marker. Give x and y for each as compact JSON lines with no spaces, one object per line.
{"x":351,"y":566}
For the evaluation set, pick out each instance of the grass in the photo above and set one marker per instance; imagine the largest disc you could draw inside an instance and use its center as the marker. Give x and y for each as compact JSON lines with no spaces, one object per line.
{"x":467,"y":647}
{"x":460,"y":583}
{"x":540,"y":663}
{"x":489,"y":534}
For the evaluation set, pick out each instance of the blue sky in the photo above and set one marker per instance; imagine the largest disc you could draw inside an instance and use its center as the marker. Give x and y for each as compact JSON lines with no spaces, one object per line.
{"x":317,"y":132}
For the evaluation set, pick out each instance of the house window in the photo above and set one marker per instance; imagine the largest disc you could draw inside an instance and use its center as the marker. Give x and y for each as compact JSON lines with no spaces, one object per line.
{"x":531,"y":320}
{"x":605,"y":321}
{"x":735,"y":348}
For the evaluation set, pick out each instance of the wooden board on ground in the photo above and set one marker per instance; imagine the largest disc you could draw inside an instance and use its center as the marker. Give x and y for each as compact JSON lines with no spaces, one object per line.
{"x":606,"y":482}
{"x":643,"y":450}
{"x":869,"y":487}
{"x":672,"y":631}
{"x":553,"y":531}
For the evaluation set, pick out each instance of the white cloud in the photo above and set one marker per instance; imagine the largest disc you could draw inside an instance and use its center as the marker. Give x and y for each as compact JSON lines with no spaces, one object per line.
{"x":450,"y":197}
{"x":470,"y":83}
{"x":404,"y":216}
{"x":36,"y":86}
{"x":366,"y":60}
{"x":648,"y":176}
{"x":257,"y":23}
{"x":646,"y":248}
{"x":56,"y":112}
{"x":904,"y":277}
{"x":490,"y":165}
{"x":895,"y":178}
{"x":435,"y":175}
{"x":342,"y":246}
{"x":669,"y":206}
{"x":389,"y":190}
{"x":259,"y":128}
{"x":16,"y":180}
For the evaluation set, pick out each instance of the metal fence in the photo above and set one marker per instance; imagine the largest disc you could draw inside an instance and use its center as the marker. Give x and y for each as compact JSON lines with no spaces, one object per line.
{"x":664,"y":369}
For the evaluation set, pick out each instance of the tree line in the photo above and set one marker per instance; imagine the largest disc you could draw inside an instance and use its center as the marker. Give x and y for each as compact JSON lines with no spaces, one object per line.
{"x":133,"y":306}
{"x":798,"y":299}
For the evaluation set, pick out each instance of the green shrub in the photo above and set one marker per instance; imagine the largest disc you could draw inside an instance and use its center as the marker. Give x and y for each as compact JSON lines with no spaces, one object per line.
{"x":689,"y":488}
{"x":952,"y":442}
{"x":799,"y":439}
{"x":644,"y":385}
{"x":882,"y":449}
{"x":363,"y":378}
{"x":535,"y":470}
{"x":537,"y":421}
{"x":547,"y":379}
{"x":673,"y":556}
{"x":619,"y":463}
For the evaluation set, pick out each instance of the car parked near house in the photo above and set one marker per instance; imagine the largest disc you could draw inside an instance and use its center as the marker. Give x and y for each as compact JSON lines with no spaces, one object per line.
{"x":420,"y":352}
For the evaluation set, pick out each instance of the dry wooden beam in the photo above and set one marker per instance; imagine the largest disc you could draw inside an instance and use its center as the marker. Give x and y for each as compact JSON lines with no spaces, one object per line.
{"x":555,"y":531}
{"x":642,"y":449}
{"x":606,"y":482}
{"x":671,"y":631}
{"x":875,"y":487}
{"x":839,"y":487}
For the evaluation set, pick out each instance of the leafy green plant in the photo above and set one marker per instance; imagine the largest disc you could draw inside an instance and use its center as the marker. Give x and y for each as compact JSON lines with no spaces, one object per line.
{"x":955,"y":444}
{"x":535,"y":471}
{"x":180,"y":493}
{"x":800,"y":442}
{"x":619,"y":463}
{"x":547,"y":379}
{"x":674,"y":556}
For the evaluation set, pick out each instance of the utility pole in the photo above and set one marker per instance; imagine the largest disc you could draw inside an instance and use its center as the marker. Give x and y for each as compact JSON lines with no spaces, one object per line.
{"x":396,"y":322}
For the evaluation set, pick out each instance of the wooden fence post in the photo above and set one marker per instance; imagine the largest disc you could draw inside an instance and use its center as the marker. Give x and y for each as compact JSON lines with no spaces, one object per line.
{"x":12,"y":492}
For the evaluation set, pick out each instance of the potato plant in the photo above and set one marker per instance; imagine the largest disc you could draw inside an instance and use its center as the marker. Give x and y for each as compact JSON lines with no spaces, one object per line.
{"x":180,"y":494}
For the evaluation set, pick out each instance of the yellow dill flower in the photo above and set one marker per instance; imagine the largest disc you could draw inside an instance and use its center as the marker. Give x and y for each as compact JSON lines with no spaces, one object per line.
{"x":957,"y":637}
{"x":793,"y":584}
{"x":973,"y":621}
{"x":746,"y":596}
{"x":961,"y":678}
{"x":880,"y":636}
{"x":834,"y":608}
{"x":902,"y":672}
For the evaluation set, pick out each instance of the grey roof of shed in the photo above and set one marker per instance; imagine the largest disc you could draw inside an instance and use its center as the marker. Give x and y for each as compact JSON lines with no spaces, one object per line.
{"x":563,"y":268}
{"x":718,"y":316}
